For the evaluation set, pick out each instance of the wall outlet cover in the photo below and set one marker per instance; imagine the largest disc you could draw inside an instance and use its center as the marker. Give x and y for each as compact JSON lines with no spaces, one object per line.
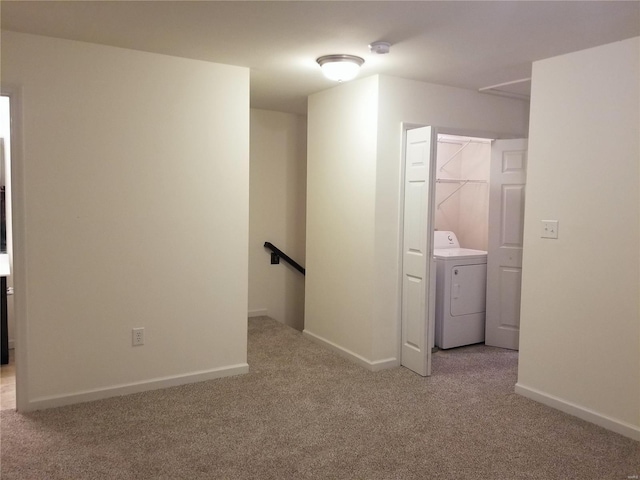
{"x":549,"y":229}
{"x":137,"y":336}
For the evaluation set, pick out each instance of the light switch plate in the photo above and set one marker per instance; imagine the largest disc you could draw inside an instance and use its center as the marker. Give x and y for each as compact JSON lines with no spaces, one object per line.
{"x":549,"y":229}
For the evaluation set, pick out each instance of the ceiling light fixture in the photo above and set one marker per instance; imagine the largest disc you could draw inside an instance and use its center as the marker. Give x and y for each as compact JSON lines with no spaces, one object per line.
{"x":340,"y":68}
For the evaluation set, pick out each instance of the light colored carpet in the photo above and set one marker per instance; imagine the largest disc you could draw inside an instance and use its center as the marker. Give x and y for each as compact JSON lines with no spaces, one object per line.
{"x":302,"y":412}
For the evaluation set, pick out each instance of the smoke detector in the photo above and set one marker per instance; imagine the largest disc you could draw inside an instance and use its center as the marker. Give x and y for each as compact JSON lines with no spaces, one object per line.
{"x":380,"y":47}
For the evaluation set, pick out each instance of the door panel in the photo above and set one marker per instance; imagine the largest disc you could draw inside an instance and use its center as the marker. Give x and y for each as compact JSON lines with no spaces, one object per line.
{"x":417,"y":252}
{"x":511,"y":279}
{"x":413,"y":335}
{"x":512,"y":216}
{"x":504,"y":260}
{"x":416,"y":219}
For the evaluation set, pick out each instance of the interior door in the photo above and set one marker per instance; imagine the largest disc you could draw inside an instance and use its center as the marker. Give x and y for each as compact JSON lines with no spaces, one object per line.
{"x":504,"y":260}
{"x":418,"y":306}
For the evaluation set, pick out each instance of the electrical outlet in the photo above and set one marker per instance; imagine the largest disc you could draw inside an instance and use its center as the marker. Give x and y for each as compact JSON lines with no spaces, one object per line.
{"x":549,"y":229}
{"x":137,"y":336}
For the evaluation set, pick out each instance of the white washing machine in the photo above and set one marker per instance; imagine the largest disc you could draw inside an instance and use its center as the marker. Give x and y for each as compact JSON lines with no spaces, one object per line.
{"x":461,"y":288}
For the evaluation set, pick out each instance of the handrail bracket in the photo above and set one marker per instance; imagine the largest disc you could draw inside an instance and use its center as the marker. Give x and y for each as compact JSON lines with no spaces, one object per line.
{"x":277,"y":254}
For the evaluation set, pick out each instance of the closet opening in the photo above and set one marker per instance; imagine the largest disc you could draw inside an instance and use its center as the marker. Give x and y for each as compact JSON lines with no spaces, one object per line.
{"x":461,"y":225}
{"x":7,"y":327}
{"x":463,"y":219}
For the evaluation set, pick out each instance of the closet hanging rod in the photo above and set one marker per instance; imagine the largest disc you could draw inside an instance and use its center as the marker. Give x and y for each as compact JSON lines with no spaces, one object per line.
{"x":462,"y":184}
{"x":455,"y":154}
{"x":456,"y":180}
{"x":451,"y":141}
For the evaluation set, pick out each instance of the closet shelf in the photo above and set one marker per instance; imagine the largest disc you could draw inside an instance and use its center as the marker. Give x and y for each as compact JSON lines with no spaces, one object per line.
{"x":460,"y":181}
{"x":457,"y":180}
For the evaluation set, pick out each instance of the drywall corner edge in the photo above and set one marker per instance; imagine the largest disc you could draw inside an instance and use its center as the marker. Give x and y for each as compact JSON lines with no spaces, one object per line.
{"x":371,"y":365}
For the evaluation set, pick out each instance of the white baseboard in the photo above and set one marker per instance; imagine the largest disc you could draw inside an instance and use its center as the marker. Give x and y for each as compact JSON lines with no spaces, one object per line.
{"x":127,"y":389}
{"x":623,"y":428}
{"x":373,"y":366}
{"x":259,"y":312}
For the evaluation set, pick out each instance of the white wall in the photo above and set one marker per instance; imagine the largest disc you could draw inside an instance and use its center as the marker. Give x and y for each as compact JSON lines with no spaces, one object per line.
{"x":132,"y":197}
{"x":355,"y":129}
{"x":580,"y":317}
{"x":341,"y":175}
{"x":277,"y":214}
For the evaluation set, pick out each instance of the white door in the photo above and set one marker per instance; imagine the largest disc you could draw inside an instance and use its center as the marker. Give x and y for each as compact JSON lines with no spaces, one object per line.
{"x":504,"y":260}
{"x":418,"y":306}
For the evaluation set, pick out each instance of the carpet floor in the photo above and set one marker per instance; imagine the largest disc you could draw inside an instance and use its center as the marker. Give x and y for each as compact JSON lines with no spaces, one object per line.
{"x":305,"y":413}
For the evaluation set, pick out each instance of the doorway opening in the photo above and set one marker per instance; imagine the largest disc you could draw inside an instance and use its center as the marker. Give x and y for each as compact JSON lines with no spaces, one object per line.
{"x":460,"y":239}
{"x":7,"y":328}
{"x":466,"y":223}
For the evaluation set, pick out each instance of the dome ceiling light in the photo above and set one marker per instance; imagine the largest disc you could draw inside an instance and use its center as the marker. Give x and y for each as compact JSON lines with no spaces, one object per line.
{"x":340,"y":68}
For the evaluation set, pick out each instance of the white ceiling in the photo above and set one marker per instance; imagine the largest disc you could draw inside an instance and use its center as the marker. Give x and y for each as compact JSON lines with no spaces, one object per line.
{"x":471,"y":44}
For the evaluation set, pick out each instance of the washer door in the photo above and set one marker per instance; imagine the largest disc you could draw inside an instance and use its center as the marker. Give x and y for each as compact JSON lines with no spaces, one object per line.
{"x":468,"y":289}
